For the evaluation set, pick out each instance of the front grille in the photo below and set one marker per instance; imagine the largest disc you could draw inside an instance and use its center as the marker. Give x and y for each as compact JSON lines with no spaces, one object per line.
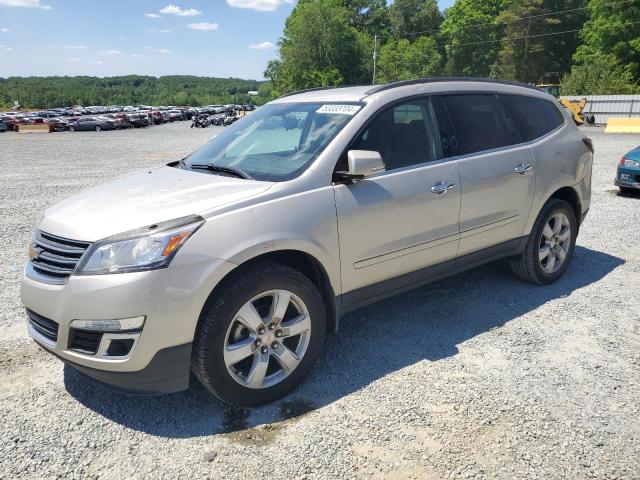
{"x":56,"y":257}
{"x":84,"y":341}
{"x":45,"y":327}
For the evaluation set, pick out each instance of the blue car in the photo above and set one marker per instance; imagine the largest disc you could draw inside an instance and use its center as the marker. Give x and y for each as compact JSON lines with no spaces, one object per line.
{"x":628,"y":174}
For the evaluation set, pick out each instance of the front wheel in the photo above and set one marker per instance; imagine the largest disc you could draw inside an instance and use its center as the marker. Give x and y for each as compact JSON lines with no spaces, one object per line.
{"x":550,"y":245}
{"x":259,"y":334}
{"x":98,"y":128}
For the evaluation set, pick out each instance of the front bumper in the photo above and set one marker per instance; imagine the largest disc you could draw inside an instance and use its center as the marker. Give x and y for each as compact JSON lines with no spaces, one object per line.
{"x":171,"y":299}
{"x":168,"y":372}
{"x":632,"y":180}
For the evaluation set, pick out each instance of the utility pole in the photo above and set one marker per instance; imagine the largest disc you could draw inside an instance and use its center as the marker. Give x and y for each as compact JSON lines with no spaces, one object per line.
{"x":375,"y":54}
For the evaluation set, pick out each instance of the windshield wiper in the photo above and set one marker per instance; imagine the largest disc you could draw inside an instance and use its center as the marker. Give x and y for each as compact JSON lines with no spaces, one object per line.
{"x":236,"y":172}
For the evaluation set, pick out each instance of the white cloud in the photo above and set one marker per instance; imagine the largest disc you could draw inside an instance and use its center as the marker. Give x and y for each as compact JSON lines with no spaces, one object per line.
{"x":260,"y":5}
{"x":111,"y":52}
{"x":175,"y":10}
{"x":4,"y":48}
{"x":4,"y":30}
{"x":152,"y":15}
{"x":74,"y":59}
{"x":68,"y":47}
{"x":262,"y":46}
{"x":155,"y":50}
{"x":97,"y":62}
{"x":203,"y":26}
{"x":163,"y":30}
{"x":24,"y":3}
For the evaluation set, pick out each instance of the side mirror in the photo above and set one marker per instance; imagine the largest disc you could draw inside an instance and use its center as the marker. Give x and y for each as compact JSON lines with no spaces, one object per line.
{"x":362,"y":164}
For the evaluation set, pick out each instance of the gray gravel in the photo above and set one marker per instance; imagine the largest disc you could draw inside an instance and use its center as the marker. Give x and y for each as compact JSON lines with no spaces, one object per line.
{"x":477,"y":376}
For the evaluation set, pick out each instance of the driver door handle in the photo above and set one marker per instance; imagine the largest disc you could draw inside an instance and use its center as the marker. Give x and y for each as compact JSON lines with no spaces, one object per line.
{"x":523,"y":168}
{"x":442,"y":187}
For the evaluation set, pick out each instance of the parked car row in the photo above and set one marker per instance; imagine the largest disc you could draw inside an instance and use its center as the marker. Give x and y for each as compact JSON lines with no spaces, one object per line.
{"x":112,"y":118}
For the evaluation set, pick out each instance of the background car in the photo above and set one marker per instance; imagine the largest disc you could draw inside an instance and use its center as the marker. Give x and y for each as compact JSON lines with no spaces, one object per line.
{"x":58,"y":124}
{"x":91,"y":123}
{"x":3,"y":127}
{"x":628,"y":172}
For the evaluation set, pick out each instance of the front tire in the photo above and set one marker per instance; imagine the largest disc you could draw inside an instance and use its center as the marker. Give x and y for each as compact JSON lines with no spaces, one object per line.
{"x":259,"y":334}
{"x":550,"y":245}
{"x":98,"y":128}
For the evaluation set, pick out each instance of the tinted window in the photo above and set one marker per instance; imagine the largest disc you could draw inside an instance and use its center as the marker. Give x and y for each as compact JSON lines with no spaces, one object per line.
{"x":531,"y":117}
{"x":405,"y":134}
{"x":478,"y":121}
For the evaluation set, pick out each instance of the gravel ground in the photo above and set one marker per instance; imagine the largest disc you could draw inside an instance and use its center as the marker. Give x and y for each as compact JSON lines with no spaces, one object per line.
{"x":477,"y":376}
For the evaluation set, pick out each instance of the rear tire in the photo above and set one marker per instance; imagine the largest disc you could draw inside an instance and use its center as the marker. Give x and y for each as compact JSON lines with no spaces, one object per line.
{"x":273,"y":362}
{"x":98,"y":128}
{"x":546,"y":256}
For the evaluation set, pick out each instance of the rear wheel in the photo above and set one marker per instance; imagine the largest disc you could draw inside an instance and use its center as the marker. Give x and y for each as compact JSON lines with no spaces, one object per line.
{"x":259,"y":334}
{"x":98,"y":128}
{"x":72,"y":129}
{"x":550,"y":245}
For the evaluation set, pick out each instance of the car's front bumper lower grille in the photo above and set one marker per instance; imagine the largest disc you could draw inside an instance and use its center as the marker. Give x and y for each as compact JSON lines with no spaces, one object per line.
{"x":43,"y":326}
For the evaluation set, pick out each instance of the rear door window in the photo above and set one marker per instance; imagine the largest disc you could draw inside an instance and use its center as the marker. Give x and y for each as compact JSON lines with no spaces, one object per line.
{"x":531,"y":117}
{"x":478,"y":121}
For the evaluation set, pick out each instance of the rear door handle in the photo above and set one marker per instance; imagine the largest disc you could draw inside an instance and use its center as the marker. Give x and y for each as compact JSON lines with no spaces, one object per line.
{"x":442,"y":187}
{"x":523,"y":168}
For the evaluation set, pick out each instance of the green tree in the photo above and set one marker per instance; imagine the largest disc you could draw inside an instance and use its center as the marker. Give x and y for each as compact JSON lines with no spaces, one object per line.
{"x":319,"y":48}
{"x":612,"y":31}
{"x":413,"y":17}
{"x":404,"y":60}
{"x":601,"y":76}
{"x":538,"y":41}
{"x":472,"y":32}
{"x":370,"y":17}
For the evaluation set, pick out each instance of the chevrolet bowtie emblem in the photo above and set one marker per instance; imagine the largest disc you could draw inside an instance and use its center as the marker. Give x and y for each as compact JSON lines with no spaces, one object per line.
{"x":33,"y":253}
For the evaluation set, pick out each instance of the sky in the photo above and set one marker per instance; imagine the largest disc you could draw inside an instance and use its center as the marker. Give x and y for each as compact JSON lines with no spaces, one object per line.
{"x":217,"y":38}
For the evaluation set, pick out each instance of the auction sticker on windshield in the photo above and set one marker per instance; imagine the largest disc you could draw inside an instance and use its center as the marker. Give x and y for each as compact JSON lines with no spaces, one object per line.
{"x":339,"y":109}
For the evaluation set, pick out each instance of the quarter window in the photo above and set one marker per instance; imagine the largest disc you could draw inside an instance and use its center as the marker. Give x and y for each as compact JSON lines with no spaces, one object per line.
{"x":531,"y":117}
{"x":404,"y":134}
{"x":478,"y":121}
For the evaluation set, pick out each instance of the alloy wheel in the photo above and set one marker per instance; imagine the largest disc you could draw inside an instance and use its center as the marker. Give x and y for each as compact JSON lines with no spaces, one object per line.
{"x":267,"y":339}
{"x":554,"y":243}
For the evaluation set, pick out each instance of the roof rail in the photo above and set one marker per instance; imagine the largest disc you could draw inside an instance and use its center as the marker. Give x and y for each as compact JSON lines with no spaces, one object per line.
{"x":388,"y":86}
{"x":315,"y":90}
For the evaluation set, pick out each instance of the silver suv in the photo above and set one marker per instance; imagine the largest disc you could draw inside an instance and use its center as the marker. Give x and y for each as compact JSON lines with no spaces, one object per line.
{"x":236,"y":261}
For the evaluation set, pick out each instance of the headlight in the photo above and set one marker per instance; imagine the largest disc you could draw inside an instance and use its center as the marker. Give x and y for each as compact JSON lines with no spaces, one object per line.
{"x":149,"y":248}
{"x":629,"y":163}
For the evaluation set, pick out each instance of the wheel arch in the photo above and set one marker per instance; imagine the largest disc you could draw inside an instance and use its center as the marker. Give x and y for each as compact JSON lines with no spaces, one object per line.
{"x":571,"y":196}
{"x":305,"y":263}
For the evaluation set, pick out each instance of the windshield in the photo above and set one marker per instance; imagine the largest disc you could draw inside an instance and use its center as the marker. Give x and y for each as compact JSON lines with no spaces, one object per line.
{"x":276,"y":142}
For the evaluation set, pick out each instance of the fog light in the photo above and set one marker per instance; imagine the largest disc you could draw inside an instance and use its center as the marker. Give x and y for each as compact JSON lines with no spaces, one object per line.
{"x":120,"y":325}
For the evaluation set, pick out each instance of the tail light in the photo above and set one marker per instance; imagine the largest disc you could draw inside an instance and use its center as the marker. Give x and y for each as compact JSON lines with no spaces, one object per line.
{"x":588,"y":143}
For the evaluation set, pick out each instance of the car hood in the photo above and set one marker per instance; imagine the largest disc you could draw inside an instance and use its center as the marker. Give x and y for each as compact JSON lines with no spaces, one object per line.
{"x":144,"y":198}
{"x":633,"y":154}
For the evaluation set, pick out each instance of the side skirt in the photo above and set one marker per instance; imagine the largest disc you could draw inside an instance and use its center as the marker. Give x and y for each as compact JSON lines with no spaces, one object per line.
{"x":388,"y":288}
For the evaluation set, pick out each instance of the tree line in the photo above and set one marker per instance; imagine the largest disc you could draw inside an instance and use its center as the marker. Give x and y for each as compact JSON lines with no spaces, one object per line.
{"x":590,"y":46}
{"x":49,"y":92}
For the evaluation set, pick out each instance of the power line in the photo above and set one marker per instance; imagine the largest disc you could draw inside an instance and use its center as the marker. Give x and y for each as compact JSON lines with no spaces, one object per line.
{"x":532,"y":36}
{"x":514,"y":20}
